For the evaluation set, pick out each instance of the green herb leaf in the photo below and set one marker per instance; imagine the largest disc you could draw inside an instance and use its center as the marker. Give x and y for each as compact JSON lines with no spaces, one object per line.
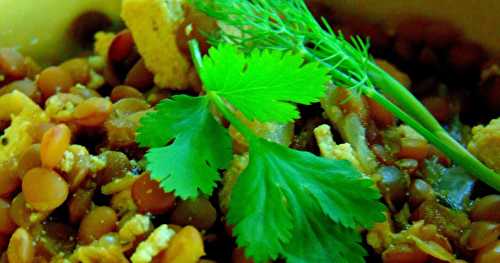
{"x":323,"y":241}
{"x":288,"y":201}
{"x":265,"y":84}
{"x":200,"y":145}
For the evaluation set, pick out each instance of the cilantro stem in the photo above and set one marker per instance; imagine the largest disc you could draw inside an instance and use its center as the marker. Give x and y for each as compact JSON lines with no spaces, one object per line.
{"x":194,"y":48}
{"x":229,"y":115}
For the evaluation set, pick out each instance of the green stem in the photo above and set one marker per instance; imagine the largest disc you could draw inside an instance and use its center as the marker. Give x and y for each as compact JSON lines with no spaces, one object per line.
{"x":194,"y":48}
{"x":442,"y":140}
{"x":403,"y":96}
{"x":229,"y":115}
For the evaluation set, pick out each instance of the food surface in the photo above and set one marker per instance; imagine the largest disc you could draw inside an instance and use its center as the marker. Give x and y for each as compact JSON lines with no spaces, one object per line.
{"x":184,"y":137}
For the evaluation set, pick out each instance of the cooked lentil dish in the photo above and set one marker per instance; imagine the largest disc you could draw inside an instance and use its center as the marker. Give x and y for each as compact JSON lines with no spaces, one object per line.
{"x":83,"y":177}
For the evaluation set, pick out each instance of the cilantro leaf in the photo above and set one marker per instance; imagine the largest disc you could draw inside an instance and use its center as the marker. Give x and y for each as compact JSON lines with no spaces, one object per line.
{"x":265,"y":84}
{"x":199,"y":145}
{"x":322,"y":241}
{"x":154,"y":129}
{"x":280,"y":184}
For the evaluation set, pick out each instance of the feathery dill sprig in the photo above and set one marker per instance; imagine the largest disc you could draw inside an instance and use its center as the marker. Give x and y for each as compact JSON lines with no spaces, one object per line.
{"x":288,"y":25}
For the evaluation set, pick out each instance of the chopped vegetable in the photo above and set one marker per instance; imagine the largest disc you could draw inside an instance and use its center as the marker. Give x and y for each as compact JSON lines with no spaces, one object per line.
{"x":351,"y":128}
{"x":453,"y":185}
{"x":450,"y":223}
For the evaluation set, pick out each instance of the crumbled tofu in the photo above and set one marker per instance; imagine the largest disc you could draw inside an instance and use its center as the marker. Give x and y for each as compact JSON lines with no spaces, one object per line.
{"x":485,"y":144}
{"x":67,"y":162}
{"x":96,"y":81}
{"x":329,"y":149}
{"x":78,"y":163}
{"x":60,"y":107}
{"x":153,"y":245}
{"x":350,"y":126}
{"x":100,"y":251}
{"x":102,"y":43}
{"x":96,"y":163}
{"x":25,"y":115}
{"x":135,"y":226}
{"x":154,"y":25}
{"x":239,"y":163}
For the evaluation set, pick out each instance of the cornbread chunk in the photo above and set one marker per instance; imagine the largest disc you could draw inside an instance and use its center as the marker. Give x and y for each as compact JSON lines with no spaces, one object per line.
{"x":154,"y":25}
{"x":485,"y":144}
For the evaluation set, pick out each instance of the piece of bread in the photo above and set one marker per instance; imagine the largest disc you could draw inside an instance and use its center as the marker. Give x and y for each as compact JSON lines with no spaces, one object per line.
{"x":154,"y":25}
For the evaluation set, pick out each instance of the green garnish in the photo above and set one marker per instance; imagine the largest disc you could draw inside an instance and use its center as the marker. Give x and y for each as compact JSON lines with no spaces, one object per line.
{"x":200,"y":145}
{"x":288,"y":25}
{"x":269,"y":79}
{"x":286,"y":202}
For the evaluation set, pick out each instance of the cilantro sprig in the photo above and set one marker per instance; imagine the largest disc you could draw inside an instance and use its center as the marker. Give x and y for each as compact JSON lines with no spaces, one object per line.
{"x":287,"y":202}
